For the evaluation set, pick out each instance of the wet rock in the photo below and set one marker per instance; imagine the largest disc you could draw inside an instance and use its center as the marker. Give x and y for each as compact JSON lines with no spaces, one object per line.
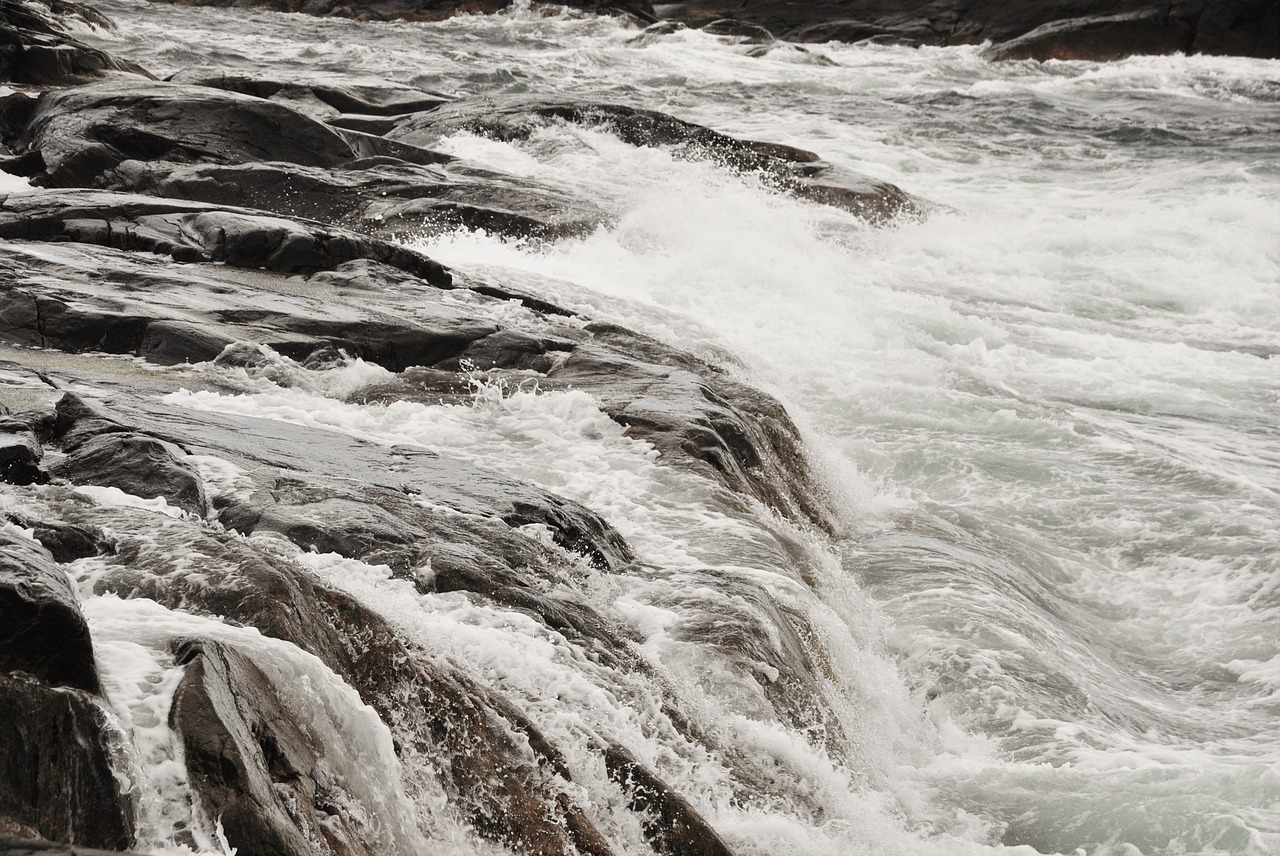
{"x":67,"y":542}
{"x":497,"y":770}
{"x":654,"y":33}
{"x":56,"y":780}
{"x":321,"y":96}
{"x":857,"y":32}
{"x":35,"y":47}
{"x":138,"y":465}
{"x":187,"y":232}
{"x":251,"y":765}
{"x":671,"y":825}
{"x":787,"y":168}
{"x":16,"y":846}
{"x":747,"y":32}
{"x":217,"y":145}
{"x":42,"y":631}
{"x":20,"y":455}
{"x":85,"y":134}
{"x":1097,"y":38}
{"x":384,"y":196}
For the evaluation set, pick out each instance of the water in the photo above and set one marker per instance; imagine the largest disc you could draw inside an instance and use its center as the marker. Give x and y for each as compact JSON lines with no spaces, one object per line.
{"x":1049,"y":413}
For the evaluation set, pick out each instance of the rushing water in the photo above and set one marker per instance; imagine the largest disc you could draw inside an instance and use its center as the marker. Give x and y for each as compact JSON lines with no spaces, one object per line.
{"x":1050,"y":411}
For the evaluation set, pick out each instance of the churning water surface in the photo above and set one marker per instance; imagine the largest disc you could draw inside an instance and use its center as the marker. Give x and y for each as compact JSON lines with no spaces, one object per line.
{"x":1050,"y":412}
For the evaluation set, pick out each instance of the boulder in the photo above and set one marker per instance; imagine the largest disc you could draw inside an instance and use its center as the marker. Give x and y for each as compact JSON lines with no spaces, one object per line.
{"x":56,"y":779}
{"x":42,"y":631}
{"x":250,"y":763}
{"x":136,"y":464}
{"x":380,"y":195}
{"x":20,"y":454}
{"x":85,"y":134}
{"x":323,"y":97}
{"x":15,"y":846}
{"x":35,"y":48}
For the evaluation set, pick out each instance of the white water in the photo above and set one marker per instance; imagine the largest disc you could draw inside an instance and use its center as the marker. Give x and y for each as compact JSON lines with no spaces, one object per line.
{"x":1050,"y":411}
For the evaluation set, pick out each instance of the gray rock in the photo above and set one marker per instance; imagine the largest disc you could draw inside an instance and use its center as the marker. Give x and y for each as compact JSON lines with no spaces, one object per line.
{"x":85,"y":134}
{"x":56,"y":780}
{"x":42,"y":631}
{"x":192,"y":231}
{"x":35,"y":47}
{"x":136,"y":464}
{"x":20,"y":455}
{"x":322,"y":96}
{"x":251,"y":765}
{"x":1097,"y":38}
{"x":214,"y":144}
{"x":13,"y":846}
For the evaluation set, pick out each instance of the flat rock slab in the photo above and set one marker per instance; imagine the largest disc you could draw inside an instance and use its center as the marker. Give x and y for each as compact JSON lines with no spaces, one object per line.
{"x":193,"y":231}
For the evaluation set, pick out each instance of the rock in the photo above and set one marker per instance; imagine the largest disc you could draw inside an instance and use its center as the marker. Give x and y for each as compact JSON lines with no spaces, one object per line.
{"x":790,"y":169}
{"x":1103,"y":37}
{"x":1080,"y":29}
{"x":655,"y":32}
{"x":11,"y":846}
{"x":187,"y":232}
{"x":138,"y":465}
{"x":67,"y":542}
{"x":251,"y":766}
{"x":42,"y":631}
{"x":85,"y":134}
{"x":671,"y":825}
{"x":380,"y":196}
{"x":36,"y":49}
{"x":215,"y":145}
{"x":490,"y":758}
{"x":56,"y":779}
{"x":745,"y":31}
{"x":20,"y":455}
{"x":320,"y":96}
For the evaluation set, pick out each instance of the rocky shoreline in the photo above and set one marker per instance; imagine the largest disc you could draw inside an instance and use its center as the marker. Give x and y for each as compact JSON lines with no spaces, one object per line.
{"x":247,"y":228}
{"x":215,"y":235}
